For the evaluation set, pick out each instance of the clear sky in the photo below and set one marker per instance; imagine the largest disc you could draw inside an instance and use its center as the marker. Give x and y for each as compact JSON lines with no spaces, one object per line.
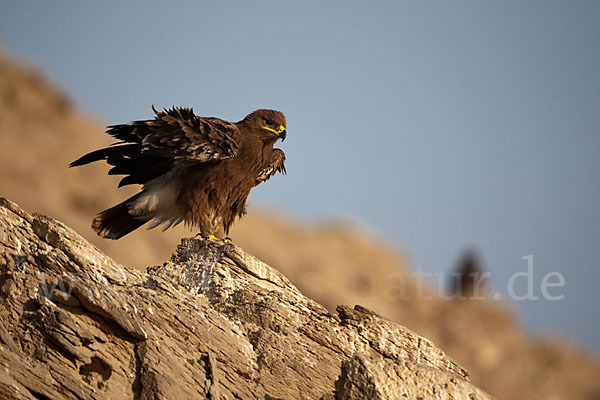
{"x":444,"y":125}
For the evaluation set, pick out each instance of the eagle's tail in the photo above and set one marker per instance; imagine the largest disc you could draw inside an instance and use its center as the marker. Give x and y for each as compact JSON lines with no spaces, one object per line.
{"x":116,"y":222}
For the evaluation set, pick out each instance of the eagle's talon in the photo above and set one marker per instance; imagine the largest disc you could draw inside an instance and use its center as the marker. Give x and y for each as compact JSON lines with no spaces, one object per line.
{"x":214,"y":238}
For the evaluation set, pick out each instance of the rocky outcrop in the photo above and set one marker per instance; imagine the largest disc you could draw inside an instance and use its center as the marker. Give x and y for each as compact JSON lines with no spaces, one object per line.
{"x":212,"y":322}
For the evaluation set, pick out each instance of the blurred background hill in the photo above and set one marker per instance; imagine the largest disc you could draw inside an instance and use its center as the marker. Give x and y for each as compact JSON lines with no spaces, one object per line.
{"x":334,"y":262}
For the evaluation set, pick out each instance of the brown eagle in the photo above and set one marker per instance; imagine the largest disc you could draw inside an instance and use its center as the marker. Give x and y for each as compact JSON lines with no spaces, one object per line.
{"x":193,"y":169}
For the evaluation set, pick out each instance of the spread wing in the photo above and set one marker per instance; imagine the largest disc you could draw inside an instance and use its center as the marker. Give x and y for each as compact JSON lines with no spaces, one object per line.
{"x":150,"y":148}
{"x":180,"y":133}
{"x":277,"y":164}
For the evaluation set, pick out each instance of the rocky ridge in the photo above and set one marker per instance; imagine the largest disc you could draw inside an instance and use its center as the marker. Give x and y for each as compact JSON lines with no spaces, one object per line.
{"x":212,"y":322}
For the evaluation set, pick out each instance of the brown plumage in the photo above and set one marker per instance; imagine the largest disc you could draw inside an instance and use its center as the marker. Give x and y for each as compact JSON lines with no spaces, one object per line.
{"x":193,"y":169}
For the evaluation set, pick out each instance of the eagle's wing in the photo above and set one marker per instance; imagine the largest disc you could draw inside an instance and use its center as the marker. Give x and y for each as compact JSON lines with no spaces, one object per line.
{"x":179,"y":133}
{"x":150,"y":148}
{"x":277,"y":164}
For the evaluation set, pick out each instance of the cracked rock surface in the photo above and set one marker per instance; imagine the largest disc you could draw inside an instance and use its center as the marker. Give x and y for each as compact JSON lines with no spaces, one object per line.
{"x":212,"y":322}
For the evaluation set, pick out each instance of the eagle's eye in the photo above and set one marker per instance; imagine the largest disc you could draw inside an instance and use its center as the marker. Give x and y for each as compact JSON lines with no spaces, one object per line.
{"x":269,"y":122}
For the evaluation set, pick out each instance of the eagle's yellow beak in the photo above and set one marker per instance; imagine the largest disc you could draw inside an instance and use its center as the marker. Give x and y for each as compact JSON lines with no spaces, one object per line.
{"x":279,"y":132}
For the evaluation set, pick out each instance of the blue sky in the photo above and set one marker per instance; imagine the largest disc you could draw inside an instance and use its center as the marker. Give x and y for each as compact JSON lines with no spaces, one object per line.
{"x":442,"y":125}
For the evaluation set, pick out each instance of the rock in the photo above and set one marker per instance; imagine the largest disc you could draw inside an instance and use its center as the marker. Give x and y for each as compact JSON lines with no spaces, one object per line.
{"x":212,"y":322}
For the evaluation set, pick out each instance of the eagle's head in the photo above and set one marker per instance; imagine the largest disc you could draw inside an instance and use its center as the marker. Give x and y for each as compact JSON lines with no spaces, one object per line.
{"x":270,"y":124}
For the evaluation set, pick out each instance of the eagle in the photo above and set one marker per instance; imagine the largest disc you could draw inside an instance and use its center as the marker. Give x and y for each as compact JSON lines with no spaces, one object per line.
{"x":196,"y":170}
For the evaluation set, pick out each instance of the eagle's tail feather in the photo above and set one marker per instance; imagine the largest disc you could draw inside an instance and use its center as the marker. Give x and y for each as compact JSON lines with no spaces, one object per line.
{"x":116,"y":222}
